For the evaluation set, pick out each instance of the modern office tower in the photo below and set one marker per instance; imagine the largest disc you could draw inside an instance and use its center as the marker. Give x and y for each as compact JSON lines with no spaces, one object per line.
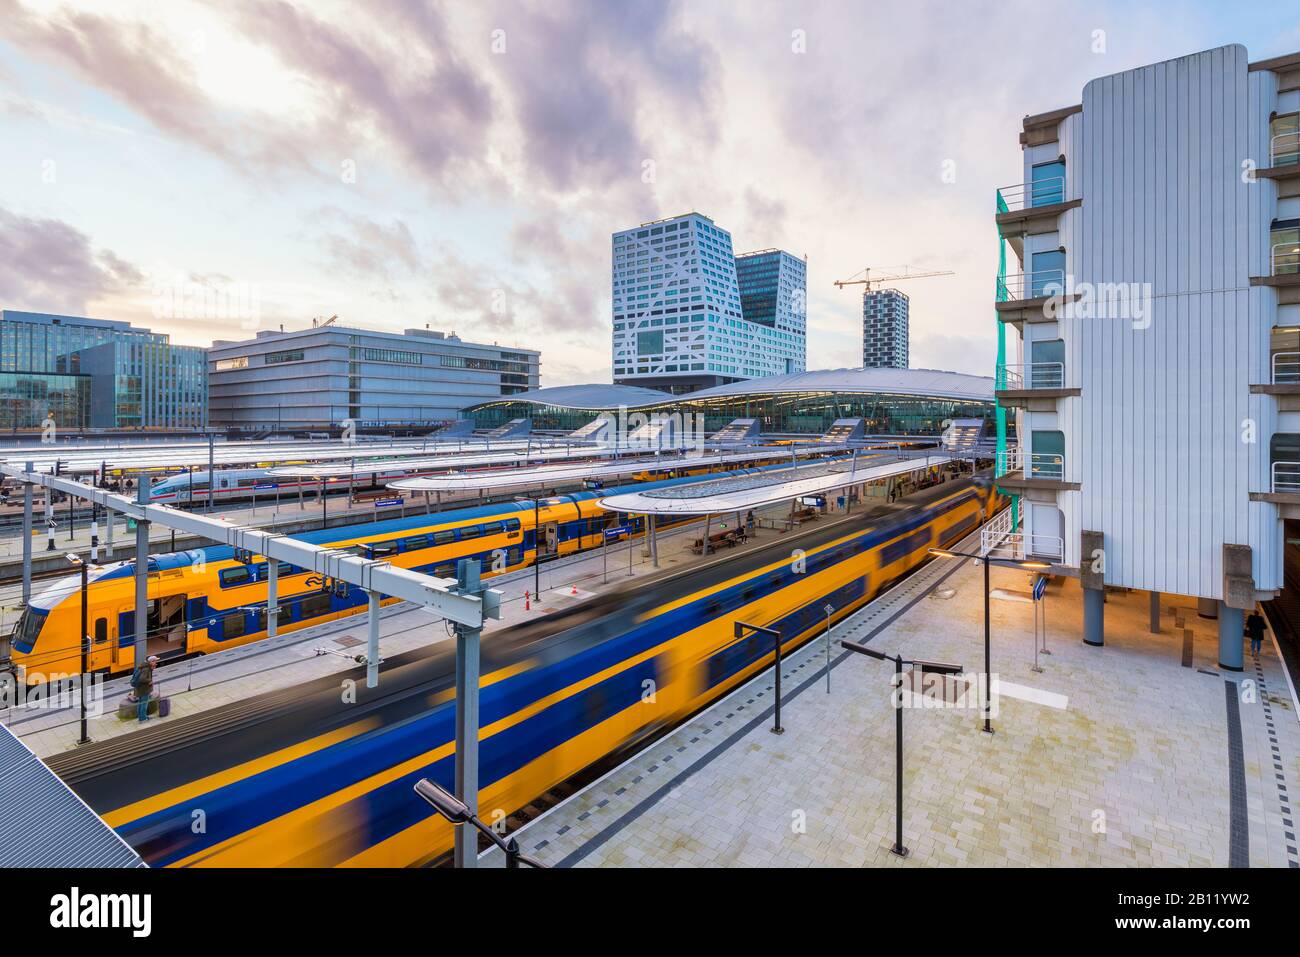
{"x":325,"y":375}
{"x":884,"y":329}
{"x":678,"y":321}
{"x":774,"y":293}
{"x":1149,"y":333}
{"x":96,"y":373}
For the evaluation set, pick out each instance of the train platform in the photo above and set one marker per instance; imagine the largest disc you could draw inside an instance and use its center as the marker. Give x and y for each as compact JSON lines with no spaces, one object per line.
{"x":200,"y":684}
{"x":1139,"y":753}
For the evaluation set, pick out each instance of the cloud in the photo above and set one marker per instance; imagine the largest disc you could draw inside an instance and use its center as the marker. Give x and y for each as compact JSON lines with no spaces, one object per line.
{"x":356,"y":245}
{"x":48,"y":266}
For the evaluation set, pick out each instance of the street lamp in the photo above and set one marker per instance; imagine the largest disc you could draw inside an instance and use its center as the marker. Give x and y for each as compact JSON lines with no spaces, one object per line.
{"x":987,"y":561}
{"x":457,"y":812}
{"x":927,"y":667}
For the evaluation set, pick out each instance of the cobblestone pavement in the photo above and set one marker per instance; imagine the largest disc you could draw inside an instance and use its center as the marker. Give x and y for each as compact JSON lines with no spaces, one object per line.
{"x":1134,"y":770}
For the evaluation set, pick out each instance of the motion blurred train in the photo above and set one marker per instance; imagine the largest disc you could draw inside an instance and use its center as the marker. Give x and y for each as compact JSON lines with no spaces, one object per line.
{"x":298,"y":778}
{"x":204,"y":600}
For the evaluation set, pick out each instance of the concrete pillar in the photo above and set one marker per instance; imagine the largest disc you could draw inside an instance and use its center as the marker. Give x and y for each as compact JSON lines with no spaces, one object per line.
{"x":1207,"y":607}
{"x":654,"y":540}
{"x":109,"y":520}
{"x":1231,"y":625}
{"x":141,"y":575}
{"x":1092,"y":576}
{"x":1094,"y":617}
{"x":467,"y":716}
{"x":372,"y":646}
{"x":1155,"y":613}
{"x":272,"y":597}
{"x":27,"y":538}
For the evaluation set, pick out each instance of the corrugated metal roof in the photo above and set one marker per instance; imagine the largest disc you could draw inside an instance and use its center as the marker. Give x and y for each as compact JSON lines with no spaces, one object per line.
{"x":44,"y":824}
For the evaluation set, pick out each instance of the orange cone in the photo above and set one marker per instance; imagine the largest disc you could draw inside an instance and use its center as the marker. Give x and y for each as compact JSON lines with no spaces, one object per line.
{"x":573,"y":590}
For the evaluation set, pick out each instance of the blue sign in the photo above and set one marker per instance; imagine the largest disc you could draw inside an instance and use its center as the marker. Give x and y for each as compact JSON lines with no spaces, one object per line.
{"x":263,"y":488}
{"x":1040,"y":587}
{"x":616,"y":532}
{"x":384,"y":502}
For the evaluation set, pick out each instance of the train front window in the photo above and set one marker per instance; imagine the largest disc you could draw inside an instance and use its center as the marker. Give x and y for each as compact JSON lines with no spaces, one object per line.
{"x":29,"y":626}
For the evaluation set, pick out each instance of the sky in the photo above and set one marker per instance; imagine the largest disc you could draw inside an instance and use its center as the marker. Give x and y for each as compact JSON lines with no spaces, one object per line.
{"x":212,"y":169}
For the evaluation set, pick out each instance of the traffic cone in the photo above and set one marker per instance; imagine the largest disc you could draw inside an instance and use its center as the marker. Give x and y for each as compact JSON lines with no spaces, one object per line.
{"x":573,"y":590}
{"x":528,"y":601}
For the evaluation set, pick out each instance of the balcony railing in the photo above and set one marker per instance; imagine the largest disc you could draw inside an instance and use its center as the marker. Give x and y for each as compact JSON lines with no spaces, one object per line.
{"x":1286,"y":368}
{"x":1286,"y":477}
{"x":1284,"y":259}
{"x":1034,"y":465}
{"x":1032,"y":375}
{"x":999,"y":540}
{"x":1031,"y":285}
{"x":1284,"y":149}
{"x":1044,"y":192}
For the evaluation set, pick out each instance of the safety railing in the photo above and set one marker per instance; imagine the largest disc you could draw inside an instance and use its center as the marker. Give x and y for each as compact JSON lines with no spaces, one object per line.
{"x":1031,"y":375}
{"x":1286,"y":368}
{"x":1019,"y":546}
{"x":1284,"y":149}
{"x":995,"y":531}
{"x":1284,"y":259}
{"x":1043,"y":192}
{"x":1031,"y":285}
{"x":1286,"y":477}
{"x":1034,"y":465}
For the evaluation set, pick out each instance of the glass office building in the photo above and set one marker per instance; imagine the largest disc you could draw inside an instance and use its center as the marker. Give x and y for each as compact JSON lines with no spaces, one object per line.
{"x":98,"y":374}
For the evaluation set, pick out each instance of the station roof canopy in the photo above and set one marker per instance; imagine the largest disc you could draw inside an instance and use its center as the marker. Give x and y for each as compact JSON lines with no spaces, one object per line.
{"x":551,"y":474}
{"x":929,"y":383}
{"x":770,"y":488}
{"x":592,"y":396}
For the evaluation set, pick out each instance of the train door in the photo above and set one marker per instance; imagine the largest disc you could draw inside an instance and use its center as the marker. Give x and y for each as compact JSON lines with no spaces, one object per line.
{"x":167,"y":625}
{"x":548,"y":542}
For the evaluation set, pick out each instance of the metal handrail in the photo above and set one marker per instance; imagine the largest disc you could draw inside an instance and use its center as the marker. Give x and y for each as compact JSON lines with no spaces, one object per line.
{"x":1034,"y":465}
{"x":1286,"y":477}
{"x":1289,"y":154}
{"x":1043,"y":192}
{"x":1287,"y":261}
{"x":1020,"y":545}
{"x":1287,"y":370}
{"x":1040,"y":375}
{"x":1030,"y":285}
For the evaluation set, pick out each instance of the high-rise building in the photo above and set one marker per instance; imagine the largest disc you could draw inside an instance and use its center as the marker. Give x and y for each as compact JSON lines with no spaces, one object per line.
{"x":325,"y":375}
{"x":678,"y":319}
{"x":1149,"y":333}
{"x":884,"y":329}
{"x":97,"y":373}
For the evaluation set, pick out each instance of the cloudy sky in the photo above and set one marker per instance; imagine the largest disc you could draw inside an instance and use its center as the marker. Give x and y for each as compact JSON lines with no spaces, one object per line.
{"x":209,"y":169}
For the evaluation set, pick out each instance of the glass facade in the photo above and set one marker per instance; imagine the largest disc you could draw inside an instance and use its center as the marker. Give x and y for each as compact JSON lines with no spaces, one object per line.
{"x":809,"y":413}
{"x":129,"y":378}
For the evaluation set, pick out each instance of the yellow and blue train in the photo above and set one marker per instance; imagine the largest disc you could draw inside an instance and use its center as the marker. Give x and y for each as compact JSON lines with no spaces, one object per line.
{"x":205,"y":600}
{"x":299,"y":777}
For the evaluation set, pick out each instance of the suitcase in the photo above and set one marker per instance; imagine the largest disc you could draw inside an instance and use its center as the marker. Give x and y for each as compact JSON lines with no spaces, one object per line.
{"x":164,"y":707}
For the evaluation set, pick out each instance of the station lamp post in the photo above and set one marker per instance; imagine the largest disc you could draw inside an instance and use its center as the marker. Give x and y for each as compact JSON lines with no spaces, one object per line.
{"x":927,"y":667}
{"x":988,"y":560}
{"x":457,"y":812}
{"x":84,"y":568}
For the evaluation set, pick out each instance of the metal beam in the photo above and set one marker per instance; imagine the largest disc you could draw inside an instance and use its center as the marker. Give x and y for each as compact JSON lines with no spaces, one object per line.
{"x":416,"y":587}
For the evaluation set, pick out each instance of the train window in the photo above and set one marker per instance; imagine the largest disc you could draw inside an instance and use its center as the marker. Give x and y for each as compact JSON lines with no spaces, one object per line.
{"x":494,"y":528}
{"x":444,"y":571}
{"x":232,"y":626}
{"x":444,"y":537}
{"x":470,"y":531}
{"x":313,"y":606}
{"x":230,"y":577}
{"x":512,"y":524}
{"x":259,"y":571}
{"x":284,"y":569}
{"x":415,"y":543}
{"x":101,"y":629}
{"x":383,"y":549}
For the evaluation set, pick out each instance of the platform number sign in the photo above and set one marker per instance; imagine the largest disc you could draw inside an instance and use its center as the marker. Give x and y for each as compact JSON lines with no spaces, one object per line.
{"x":1040,"y":587}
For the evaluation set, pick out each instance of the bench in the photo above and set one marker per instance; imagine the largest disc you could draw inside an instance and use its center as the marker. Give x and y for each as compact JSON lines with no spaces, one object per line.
{"x":373,"y":495}
{"x":727,"y":539}
{"x":806,"y":515}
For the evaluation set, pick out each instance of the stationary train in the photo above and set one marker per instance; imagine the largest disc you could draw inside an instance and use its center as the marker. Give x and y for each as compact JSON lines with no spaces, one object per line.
{"x":299,"y":777}
{"x":204,"y":600}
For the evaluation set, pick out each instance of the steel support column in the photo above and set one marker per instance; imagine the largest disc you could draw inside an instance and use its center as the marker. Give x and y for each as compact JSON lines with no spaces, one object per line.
{"x":1231,"y":638}
{"x":141,"y":575}
{"x":272,"y":597}
{"x":372,"y":644}
{"x":27,"y":539}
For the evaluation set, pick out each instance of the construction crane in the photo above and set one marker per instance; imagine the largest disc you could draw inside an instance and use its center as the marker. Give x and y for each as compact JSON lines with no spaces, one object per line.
{"x":867,"y":279}
{"x":319,"y":323}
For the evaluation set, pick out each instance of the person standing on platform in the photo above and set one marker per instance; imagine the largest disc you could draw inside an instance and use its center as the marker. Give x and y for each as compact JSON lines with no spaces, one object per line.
{"x":1255,"y":631}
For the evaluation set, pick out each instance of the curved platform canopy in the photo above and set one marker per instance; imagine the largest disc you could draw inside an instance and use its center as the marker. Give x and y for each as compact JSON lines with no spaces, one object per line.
{"x":924,"y":383}
{"x":755,"y":491}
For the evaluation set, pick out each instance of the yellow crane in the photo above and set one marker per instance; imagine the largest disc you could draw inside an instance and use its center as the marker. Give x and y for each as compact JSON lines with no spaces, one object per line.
{"x":867,"y":280}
